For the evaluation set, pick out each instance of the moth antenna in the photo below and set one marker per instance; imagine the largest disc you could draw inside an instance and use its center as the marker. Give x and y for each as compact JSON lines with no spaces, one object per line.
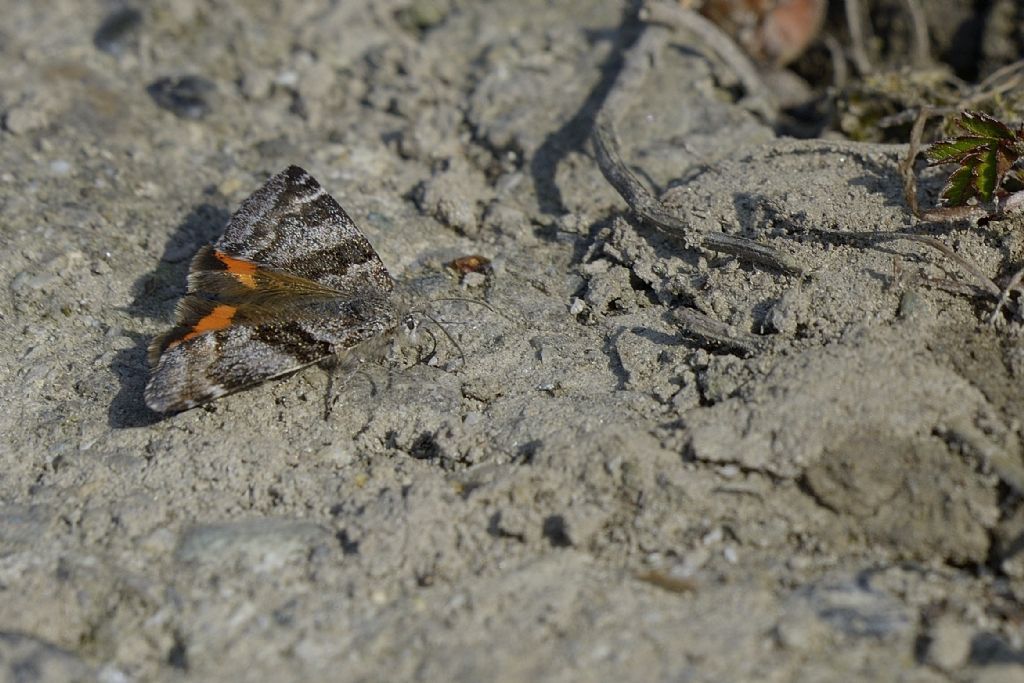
{"x":440,"y":326}
{"x":462,"y":354}
{"x":433,"y":343}
{"x":486,"y":305}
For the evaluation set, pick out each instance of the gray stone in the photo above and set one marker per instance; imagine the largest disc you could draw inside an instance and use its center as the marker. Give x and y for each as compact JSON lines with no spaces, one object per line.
{"x":949,"y":644}
{"x":26,"y":659}
{"x":257,"y":545}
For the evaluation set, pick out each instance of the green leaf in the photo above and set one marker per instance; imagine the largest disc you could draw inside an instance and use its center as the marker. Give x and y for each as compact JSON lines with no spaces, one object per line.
{"x":958,"y":188}
{"x":985,"y":155}
{"x":983,"y":125}
{"x":955,"y":149}
{"x":986,"y":175}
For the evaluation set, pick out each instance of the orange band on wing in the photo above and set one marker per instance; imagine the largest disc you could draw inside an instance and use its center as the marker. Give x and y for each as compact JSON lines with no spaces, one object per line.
{"x":217,"y":319}
{"x":242,"y":270}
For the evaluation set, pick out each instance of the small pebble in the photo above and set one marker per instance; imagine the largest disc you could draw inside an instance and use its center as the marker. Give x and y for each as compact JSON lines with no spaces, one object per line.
{"x":259,"y":544}
{"x":728,"y":471}
{"x":712,"y":537}
{"x":111,"y":674}
{"x":949,"y":644}
{"x":26,"y":117}
{"x":337,"y":455}
{"x":187,"y":97}
{"x":118,"y":32}
{"x":910,"y":304}
{"x":256,"y":84}
{"x":421,"y":15}
{"x":317,"y":81}
{"x":799,"y":632}
{"x":692,"y":562}
{"x":230,"y":186}
{"x":286,"y":79}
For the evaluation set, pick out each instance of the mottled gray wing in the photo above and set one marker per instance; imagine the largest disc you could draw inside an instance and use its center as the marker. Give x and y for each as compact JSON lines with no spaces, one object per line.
{"x":243,"y":345}
{"x":293,"y":224}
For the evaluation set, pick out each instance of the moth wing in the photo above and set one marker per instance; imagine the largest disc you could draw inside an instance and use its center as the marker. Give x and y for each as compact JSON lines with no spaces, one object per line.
{"x":292,"y":224}
{"x":216,"y":275}
{"x":291,"y":281}
{"x":217,"y":348}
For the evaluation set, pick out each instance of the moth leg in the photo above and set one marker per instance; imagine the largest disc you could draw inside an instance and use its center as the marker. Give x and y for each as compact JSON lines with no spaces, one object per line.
{"x":340,"y":368}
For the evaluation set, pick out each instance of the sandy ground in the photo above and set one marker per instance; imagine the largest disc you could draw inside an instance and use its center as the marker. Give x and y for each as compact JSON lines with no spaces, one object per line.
{"x":587,"y":491}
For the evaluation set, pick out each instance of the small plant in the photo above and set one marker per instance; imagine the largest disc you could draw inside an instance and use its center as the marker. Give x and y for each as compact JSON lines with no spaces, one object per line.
{"x":988,"y":154}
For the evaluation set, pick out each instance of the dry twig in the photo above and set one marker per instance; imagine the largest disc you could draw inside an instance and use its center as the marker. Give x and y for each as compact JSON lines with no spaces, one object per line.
{"x":1004,"y":298}
{"x":715,"y":333}
{"x":840,"y":73}
{"x":984,"y":285}
{"x":640,"y":199}
{"x":986,"y":282}
{"x":856,"y":21}
{"x":648,"y":208}
{"x":919,"y":25}
{"x":1003,"y":79}
{"x":1000,"y":81}
{"x":907,"y":164}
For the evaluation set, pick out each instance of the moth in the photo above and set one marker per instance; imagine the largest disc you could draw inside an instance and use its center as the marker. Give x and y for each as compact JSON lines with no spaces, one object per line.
{"x":291,"y":282}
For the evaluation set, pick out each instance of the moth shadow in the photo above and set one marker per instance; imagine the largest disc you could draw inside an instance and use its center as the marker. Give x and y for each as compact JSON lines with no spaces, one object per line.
{"x":154,"y":296}
{"x":128,"y":409}
{"x":156,"y":292}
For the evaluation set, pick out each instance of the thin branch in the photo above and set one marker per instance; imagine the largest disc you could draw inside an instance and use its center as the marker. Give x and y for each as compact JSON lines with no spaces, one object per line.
{"x":667,"y":582}
{"x":648,"y":208}
{"x":954,"y":286}
{"x":642,"y":202}
{"x":1001,"y":80}
{"x":750,"y":251}
{"x":907,"y":164}
{"x":628,"y":185}
{"x":855,"y":23}
{"x":922,"y":49}
{"x":1004,"y":298}
{"x":840,"y":72}
{"x":714,"y":333}
{"x":986,"y":282}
